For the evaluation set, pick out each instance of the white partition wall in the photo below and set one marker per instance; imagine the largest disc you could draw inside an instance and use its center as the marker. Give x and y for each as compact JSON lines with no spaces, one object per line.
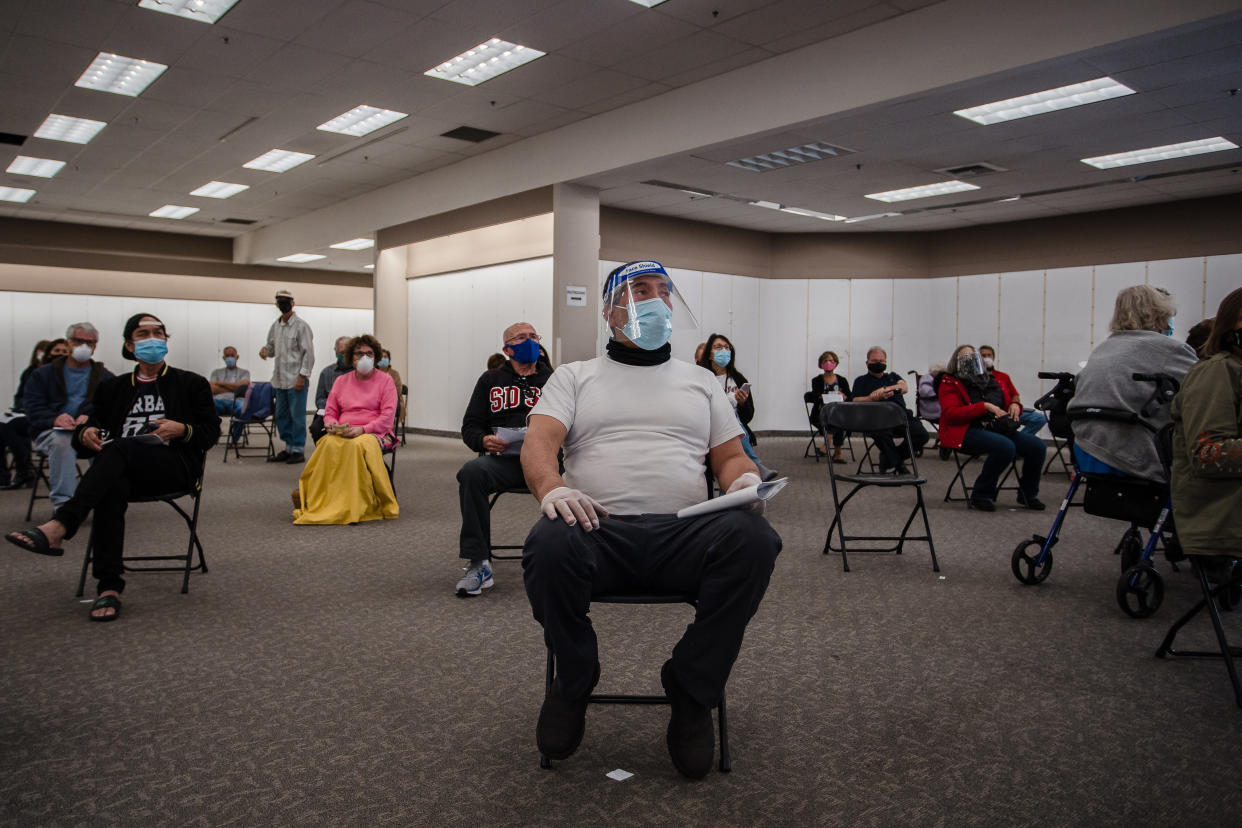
{"x":456,"y":321}
{"x":199,"y":330}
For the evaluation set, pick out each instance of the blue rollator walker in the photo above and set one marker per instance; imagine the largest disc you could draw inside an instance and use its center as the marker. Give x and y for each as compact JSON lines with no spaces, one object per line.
{"x":1142,"y":503}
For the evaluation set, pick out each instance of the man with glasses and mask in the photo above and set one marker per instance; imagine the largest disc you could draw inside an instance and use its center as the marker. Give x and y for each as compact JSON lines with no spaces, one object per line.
{"x":502,"y":398}
{"x":639,"y":430}
{"x":58,"y":398}
{"x":291,"y":344}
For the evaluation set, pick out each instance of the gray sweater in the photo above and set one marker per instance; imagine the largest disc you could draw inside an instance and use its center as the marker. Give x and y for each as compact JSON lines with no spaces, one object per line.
{"x":1106,"y":382}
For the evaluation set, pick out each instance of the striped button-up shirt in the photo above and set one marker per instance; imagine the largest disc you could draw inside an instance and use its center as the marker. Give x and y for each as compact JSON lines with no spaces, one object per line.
{"x":293,"y":348}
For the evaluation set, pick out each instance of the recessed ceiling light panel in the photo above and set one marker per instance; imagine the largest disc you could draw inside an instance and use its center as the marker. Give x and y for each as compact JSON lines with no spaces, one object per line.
{"x":354,"y":244}
{"x":219,"y":189}
{"x":278,"y":160}
{"x":791,"y":157}
{"x":173,"y":211}
{"x":484,"y":62}
{"x":361,"y":119}
{"x":120,"y":75}
{"x":300,"y":258}
{"x":1050,"y":100}
{"x":71,"y":130}
{"x":204,"y":11}
{"x":647,"y":3}
{"x":37,"y":167}
{"x":925,"y":191}
{"x":799,"y":211}
{"x":1146,"y":156}
{"x":18,"y":194}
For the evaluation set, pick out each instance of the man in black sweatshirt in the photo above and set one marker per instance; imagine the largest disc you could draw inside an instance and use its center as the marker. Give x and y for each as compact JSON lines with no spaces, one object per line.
{"x":501,"y":399}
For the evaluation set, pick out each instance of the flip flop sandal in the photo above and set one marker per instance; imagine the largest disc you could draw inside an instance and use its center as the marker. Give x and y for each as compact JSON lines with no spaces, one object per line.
{"x":106,"y":602}
{"x":38,"y":542}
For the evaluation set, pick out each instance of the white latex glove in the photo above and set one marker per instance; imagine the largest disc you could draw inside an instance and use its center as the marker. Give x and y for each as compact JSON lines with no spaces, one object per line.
{"x":745,"y":481}
{"x":573,"y":506}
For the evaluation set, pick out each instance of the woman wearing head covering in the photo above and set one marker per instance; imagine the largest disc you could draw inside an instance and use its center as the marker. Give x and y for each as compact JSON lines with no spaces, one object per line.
{"x":345,"y":480}
{"x":978,"y":416}
{"x":148,"y":433}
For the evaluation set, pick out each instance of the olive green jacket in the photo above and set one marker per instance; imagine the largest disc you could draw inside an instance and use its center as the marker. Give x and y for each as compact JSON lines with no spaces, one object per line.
{"x":1207,"y":458}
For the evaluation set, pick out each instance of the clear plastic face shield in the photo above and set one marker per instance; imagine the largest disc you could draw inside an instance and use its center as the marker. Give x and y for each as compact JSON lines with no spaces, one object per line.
{"x":969,"y":364}
{"x":642,"y":305}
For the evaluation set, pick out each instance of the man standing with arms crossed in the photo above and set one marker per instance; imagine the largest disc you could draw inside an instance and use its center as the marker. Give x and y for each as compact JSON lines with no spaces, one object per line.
{"x":291,"y":344}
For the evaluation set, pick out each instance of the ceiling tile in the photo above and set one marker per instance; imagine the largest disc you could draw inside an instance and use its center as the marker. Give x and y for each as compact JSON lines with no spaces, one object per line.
{"x":570,"y":22}
{"x":278,"y":18}
{"x":428,"y":43}
{"x":788,"y":17}
{"x":589,"y":88}
{"x":355,"y":28}
{"x":742,"y":55}
{"x":191,"y":87}
{"x":495,"y":16}
{"x":163,"y":38}
{"x":618,"y":43}
{"x":297,"y":68}
{"x":641,"y":93}
{"x":228,"y":51}
{"x":683,"y":55}
{"x":833,"y":28}
{"x":79,"y":22}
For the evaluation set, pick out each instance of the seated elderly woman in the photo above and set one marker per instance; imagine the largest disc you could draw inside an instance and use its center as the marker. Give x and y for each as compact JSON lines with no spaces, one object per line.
{"x":828,"y":387}
{"x":1140,"y":342}
{"x":978,"y":416}
{"x":1207,"y":442}
{"x":345,"y":480}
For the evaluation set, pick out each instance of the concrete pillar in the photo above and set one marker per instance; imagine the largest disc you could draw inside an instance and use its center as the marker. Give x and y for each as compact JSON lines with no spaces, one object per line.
{"x":392,"y":327}
{"x":575,"y":264}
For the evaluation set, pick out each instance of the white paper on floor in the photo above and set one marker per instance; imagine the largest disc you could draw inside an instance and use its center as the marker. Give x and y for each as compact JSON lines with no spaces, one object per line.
{"x":619,"y":775}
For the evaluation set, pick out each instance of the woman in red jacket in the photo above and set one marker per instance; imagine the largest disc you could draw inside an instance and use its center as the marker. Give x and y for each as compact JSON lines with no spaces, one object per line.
{"x":977,"y":415}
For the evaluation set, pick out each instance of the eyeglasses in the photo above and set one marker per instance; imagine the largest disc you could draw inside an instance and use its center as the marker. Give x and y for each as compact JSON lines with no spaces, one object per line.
{"x":76,"y":341}
{"x":520,"y":338}
{"x":358,"y":352}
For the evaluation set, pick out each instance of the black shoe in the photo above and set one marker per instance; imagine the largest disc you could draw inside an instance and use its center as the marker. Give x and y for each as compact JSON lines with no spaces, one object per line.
{"x":901,"y":469}
{"x":1031,"y":502}
{"x":294,"y":459}
{"x":279,"y":458}
{"x":982,"y":505}
{"x":691,"y":737}
{"x":945,"y":453}
{"x":562,"y":722}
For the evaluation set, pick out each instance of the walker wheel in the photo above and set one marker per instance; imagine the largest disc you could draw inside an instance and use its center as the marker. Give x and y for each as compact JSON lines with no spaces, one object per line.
{"x":1140,"y":590}
{"x":1025,"y":562}
{"x":1131,"y":549}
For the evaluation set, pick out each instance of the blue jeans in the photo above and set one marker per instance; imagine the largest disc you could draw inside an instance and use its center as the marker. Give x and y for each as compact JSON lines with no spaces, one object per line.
{"x":291,"y":418}
{"x":229,"y":408}
{"x":1031,"y":421}
{"x":62,"y":464}
{"x":1000,"y":451}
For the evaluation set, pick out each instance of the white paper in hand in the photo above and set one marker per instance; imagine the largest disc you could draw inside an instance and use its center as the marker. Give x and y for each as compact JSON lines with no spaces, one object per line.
{"x":512,"y":436}
{"x":751,"y":494}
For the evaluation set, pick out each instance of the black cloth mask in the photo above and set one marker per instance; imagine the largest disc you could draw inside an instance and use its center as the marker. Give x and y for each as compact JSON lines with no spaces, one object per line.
{"x":637,"y":356}
{"x":285,"y":305}
{"x":877,"y":367}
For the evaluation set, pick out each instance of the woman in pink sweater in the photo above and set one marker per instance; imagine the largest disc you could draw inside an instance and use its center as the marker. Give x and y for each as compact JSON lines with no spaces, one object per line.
{"x":345,"y":480}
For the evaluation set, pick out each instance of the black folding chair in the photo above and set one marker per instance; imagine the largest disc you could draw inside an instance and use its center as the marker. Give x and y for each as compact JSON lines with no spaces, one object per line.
{"x":963,"y":458}
{"x":809,"y":400}
{"x":258,"y":410}
{"x":726,"y":763}
{"x":491,"y":546}
{"x":40,"y":470}
{"x":187,"y":560}
{"x":403,"y":408}
{"x":868,"y":418}
{"x":1227,"y":589}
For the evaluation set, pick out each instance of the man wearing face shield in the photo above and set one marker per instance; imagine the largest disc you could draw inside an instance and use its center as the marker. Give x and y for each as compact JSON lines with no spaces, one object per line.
{"x":291,"y":344}
{"x":638,"y":429}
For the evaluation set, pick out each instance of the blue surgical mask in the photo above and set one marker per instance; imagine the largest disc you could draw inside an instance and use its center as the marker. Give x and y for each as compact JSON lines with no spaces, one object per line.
{"x":722,"y":357}
{"x":151,"y":351}
{"x":525,"y":352}
{"x":230,"y":362}
{"x":1169,"y":330}
{"x":383,"y":363}
{"x":340,"y":360}
{"x":650,"y":324}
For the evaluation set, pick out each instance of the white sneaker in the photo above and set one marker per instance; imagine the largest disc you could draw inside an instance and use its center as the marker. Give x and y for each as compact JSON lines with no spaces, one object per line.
{"x":478,"y":577}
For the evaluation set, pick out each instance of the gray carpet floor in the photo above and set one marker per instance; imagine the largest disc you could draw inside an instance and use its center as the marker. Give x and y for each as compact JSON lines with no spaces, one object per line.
{"x":328,"y":675}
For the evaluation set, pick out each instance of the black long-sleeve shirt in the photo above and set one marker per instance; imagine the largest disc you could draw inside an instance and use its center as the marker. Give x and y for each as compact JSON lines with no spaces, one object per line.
{"x":501,"y":398}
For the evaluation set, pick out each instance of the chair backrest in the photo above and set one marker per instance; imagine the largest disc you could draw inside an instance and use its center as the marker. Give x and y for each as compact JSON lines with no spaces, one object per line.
{"x":258,"y":404}
{"x":1054,"y":403}
{"x":863,"y":417}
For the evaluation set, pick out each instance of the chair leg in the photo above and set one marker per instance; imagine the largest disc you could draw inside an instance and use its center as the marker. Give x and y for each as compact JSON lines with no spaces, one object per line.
{"x":722,"y":719}
{"x":86,"y":560}
{"x":1225,"y":650}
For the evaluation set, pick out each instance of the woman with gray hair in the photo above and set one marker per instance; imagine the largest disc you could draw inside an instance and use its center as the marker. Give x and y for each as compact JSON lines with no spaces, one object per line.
{"x":1140,"y":341}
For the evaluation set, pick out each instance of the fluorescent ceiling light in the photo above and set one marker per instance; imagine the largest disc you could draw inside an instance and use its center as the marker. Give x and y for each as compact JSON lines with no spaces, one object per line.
{"x":18,"y":194}
{"x":791,"y":157}
{"x":857,"y":219}
{"x":65,"y":128}
{"x":354,"y":244}
{"x":301,"y":257}
{"x":204,"y":11}
{"x":770,"y":205}
{"x":219,"y":189}
{"x":647,"y":3}
{"x":38,"y":167}
{"x":278,"y":160}
{"x":1146,"y":156}
{"x":1050,"y":100}
{"x":925,"y":191}
{"x":172,"y":211}
{"x":120,"y":75}
{"x":484,"y":62}
{"x":798,"y":211}
{"x":368,"y":267}
{"x":361,"y":119}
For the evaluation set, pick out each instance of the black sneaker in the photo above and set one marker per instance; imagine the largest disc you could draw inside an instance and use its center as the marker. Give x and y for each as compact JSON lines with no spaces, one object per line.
{"x":982,"y":505}
{"x":294,"y":459}
{"x":281,"y":457}
{"x":691,"y":737}
{"x":1031,"y":502}
{"x":945,"y":453}
{"x":562,"y":722}
{"x":901,"y":469}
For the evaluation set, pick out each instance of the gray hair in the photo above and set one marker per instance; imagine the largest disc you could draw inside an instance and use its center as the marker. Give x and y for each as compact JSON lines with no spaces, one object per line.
{"x":875,"y":348}
{"x":1142,"y":308}
{"x":81,"y":326}
{"x":339,"y":340}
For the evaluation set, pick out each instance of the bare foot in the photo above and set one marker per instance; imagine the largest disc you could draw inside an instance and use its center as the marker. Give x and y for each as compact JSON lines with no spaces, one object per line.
{"x":105,"y":612}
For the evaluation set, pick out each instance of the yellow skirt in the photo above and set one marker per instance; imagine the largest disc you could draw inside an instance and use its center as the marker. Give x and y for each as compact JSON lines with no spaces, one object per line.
{"x":345,"y":482}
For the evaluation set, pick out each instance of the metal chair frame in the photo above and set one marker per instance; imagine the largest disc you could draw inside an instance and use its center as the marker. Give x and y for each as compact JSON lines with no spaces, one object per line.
{"x":1226,"y":652}
{"x":963,"y":459}
{"x":492,"y":547}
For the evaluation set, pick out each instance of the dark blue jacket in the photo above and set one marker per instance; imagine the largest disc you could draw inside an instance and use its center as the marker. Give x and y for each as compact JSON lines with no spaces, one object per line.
{"x":45,"y":396}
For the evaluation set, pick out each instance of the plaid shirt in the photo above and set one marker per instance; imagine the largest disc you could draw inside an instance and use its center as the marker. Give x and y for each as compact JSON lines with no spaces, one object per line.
{"x":293,"y":348}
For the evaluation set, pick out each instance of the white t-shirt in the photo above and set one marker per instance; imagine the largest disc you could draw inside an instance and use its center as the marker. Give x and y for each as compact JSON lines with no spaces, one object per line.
{"x":638,"y":434}
{"x":729,"y":387}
